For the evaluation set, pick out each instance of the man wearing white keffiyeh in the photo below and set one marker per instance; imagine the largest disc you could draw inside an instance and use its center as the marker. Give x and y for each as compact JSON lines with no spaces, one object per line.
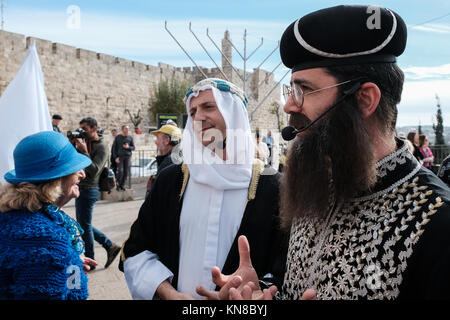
{"x":188,"y":230}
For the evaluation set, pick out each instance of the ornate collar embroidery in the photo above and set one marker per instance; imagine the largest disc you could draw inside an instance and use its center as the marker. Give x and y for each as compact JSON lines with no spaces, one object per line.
{"x":392,"y":171}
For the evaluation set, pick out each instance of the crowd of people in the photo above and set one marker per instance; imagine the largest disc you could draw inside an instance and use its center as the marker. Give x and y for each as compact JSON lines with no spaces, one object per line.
{"x":420,"y":148}
{"x":355,"y":214}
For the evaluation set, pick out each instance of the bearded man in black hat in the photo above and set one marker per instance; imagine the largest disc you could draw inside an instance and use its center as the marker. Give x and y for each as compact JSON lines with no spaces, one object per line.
{"x":366,"y":220}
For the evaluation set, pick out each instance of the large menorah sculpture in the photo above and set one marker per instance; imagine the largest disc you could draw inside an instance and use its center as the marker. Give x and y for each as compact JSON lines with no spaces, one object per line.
{"x":243,"y":56}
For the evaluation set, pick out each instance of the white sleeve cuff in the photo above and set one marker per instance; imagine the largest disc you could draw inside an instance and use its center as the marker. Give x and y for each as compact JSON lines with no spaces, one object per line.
{"x":144,"y":273}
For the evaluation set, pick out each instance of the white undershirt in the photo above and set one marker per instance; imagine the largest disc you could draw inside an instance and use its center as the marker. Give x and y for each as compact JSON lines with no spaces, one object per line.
{"x":207,"y":231}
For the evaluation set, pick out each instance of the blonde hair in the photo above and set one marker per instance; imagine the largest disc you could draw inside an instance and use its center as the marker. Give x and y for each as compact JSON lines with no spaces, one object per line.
{"x":410,"y":146}
{"x":28,"y":196}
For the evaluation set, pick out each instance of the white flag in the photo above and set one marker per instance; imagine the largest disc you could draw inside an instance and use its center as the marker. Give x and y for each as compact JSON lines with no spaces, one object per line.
{"x":23,"y":109}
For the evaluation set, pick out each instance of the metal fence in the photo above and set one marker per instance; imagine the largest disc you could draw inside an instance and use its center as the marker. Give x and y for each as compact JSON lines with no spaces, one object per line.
{"x":140,"y":163}
{"x":141,"y":166}
{"x":142,"y":159}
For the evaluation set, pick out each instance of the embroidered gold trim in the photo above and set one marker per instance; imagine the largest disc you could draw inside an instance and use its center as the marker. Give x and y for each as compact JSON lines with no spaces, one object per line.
{"x":122,"y":255}
{"x":185,"y":170}
{"x":257,"y":170}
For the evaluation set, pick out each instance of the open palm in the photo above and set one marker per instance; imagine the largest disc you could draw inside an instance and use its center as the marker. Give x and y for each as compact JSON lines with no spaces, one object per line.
{"x":243,"y":279}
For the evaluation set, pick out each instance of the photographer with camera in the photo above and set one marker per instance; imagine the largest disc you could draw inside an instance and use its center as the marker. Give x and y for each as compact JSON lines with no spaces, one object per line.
{"x":87,"y":141}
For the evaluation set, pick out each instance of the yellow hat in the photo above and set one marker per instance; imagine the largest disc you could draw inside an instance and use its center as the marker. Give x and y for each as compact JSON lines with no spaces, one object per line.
{"x":170,"y":130}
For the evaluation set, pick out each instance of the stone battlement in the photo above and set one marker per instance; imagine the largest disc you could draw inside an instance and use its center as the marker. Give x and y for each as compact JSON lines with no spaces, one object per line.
{"x":81,"y":83}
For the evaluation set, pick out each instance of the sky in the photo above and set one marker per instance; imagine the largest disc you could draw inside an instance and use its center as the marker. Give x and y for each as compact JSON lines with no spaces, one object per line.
{"x":135,"y":30}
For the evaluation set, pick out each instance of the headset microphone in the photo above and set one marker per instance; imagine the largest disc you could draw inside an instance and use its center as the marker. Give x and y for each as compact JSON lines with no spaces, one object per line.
{"x":289,"y":133}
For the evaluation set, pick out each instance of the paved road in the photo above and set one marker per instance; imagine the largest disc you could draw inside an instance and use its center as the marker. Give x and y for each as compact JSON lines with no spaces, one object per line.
{"x":114,"y":219}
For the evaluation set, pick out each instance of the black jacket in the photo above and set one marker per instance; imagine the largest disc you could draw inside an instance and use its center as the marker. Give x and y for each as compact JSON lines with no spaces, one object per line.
{"x":117,"y":148}
{"x":164,"y":161}
{"x":99,"y":156}
{"x":157,"y":227}
{"x":417,"y":153}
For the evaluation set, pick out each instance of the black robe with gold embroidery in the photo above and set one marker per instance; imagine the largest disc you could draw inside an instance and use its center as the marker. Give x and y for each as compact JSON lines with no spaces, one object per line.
{"x":157,"y":227}
{"x":390,"y":243}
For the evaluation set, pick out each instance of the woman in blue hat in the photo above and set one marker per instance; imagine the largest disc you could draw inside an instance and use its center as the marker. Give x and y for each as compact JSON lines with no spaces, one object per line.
{"x":40,"y":246}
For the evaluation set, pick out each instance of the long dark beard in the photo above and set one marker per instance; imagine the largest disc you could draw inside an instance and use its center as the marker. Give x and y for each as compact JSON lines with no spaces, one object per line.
{"x":333,"y":160}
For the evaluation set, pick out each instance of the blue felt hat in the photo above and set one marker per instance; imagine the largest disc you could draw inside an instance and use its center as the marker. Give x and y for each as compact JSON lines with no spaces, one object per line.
{"x":45,"y":156}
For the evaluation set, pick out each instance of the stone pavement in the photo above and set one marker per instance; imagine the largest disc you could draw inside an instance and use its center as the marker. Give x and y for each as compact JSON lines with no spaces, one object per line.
{"x":114,"y":219}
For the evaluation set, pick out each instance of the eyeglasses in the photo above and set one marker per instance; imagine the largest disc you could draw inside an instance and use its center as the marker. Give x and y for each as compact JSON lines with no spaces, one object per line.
{"x":298,"y":95}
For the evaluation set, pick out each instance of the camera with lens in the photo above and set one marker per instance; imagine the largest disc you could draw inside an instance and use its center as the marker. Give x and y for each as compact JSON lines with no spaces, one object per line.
{"x":76,"y":134}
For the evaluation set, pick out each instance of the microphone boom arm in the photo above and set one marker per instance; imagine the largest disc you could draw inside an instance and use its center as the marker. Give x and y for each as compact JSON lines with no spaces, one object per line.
{"x":347,"y":93}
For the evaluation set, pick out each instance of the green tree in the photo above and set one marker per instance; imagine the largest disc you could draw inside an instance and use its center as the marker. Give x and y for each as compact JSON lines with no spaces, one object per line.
{"x":276,"y":110}
{"x":439,"y":126}
{"x":168,"y":96}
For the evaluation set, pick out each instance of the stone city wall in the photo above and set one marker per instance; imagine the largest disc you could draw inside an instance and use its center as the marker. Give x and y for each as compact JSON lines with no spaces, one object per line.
{"x":81,"y":83}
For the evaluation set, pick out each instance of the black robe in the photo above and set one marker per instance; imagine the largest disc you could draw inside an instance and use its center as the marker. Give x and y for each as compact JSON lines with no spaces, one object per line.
{"x":444,"y":171}
{"x":157,"y":227}
{"x":392,"y":242}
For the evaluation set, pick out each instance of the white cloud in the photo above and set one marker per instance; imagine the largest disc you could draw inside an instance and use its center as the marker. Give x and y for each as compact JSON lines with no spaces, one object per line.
{"x":422,"y":73}
{"x":419,"y":102}
{"x":433,"y":27}
{"x":126,"y":36}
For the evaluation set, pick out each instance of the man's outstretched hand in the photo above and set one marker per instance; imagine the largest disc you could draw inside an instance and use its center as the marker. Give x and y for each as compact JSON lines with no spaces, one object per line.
{"x":243,"y":284}
{"x":244,"y":279}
